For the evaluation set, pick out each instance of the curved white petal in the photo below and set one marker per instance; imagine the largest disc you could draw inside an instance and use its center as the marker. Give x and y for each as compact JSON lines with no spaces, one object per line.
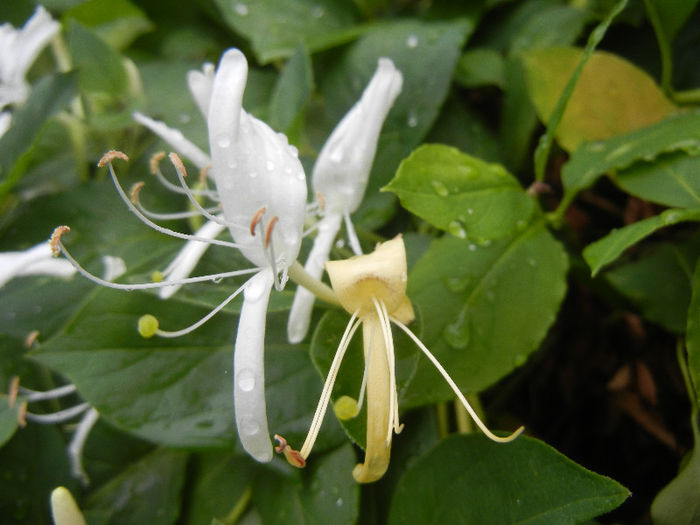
{"x":176,"y":139}
{"x":5,"y":121}
{"x":343,"y":166}
{"x":33,"y":37}
{"x":36,"y":260}
{"x":200,"y":84}
{"x":248,"y":368}
{"x":254,"y":168}
{"x":300,"y":313}
{"x":188,"y":257}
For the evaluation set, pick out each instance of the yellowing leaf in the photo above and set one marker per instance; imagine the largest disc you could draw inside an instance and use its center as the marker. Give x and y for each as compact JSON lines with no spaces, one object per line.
{"x":613,"y":96}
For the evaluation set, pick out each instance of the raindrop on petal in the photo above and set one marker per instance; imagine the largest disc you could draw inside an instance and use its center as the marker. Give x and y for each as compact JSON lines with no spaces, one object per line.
{"x":246,"y":380}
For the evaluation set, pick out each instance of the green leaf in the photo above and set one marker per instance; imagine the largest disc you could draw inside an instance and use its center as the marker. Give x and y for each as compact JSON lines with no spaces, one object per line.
{"x":8,"y":418}
{"x":117,"y":22}
{"x":292,"y":91}
{"x":469,"y":479}
{"x":606,"y":250}
{"x":147,"y":491}
{"x":677,"y":503}
{"x":672,"y":15}
{"x":627,"y":100}
{"x":276,"y":27}
{"x":324,"y":492}
{"x":49,"y":96}
{"x":461,"y":194}
{"x":484,"y":315}
{"x":659,"y":284}
{"x":100,"y":67}
{"x":680,"y":133}
{"x":671,"y":180}
{"x":480,"y":67}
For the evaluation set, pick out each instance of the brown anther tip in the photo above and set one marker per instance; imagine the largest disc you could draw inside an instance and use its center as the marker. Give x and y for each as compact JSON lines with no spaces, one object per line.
{"x":177,"y":162}
{"x":14,"y":390}
{"x":22,"y":415}
{"x":110,"y":156}
{"x":321,"y":200}
{"x":256,"y":219}
{"x":203,"y":175}
{"x":155,"y":160}
{"x":31,"y":338}
{"x":134,"y":192}
{"x":293,"y":457}
{"x":268,"y":232}
{"x":539,"y":188}
{"x":55,"y":239}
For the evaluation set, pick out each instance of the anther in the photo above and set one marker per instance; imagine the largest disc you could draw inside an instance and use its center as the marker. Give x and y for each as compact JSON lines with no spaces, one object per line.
{"x":256,"y":219}
{"x":31,"y":338}
{"x":203,"y":175}
{"x":55,"y":239}
{"x":110,"y":156}
{"x":14,"y":390}
{"x":22,"y":415}
{"x":177,"y":162}
{"x":292,"y":456}
{"x":321,"y":200}
{"x":155,"y":160}
{"x":268,"y":231}
{"x":134,"y":192}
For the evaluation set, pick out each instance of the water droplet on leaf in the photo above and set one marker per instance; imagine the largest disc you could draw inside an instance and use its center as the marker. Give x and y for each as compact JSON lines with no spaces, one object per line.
{"x":440,"y":188}
{"x":412,"y":41}
{"x":457,"y":229}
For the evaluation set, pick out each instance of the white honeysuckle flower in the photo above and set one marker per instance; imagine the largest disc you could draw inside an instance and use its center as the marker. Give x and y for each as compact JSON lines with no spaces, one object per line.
{"x":340,"y":176}
{"x":18,"y":50}
{"x":5,"y":121}
{"x":200,"y":84}
{"x":36,"y":260}
{"x":261,"y":190}
{"x":372,"y":288}
{"x":64,"y":509}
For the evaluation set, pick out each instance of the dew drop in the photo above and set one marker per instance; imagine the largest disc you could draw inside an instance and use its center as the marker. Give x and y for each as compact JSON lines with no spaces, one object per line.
{"x":457,"y":333}
{"x":318,"y":11}
{"x":184,"y":118}
{"x":470,"y":211}
{"x":270,"y":165}
{"x":412,"y":41}
{"x":339,"y":502}
{"x":223,"y":140}
{"x":240,"y":8}
{"x":472,"y":247}
{"x":440,"y":188}
{"x":293,"y":151}
{"x":412,"y":120}
{"x":253,"y":174}
{"x":458,"y":284}
{"x":246,"y":380}
{"x":249,"y":427}
{"x":532,"y":261}
{"x":519,"y":359}
{"x":457,"y":229}
{"x":596,"y":146}
{"x":232,"y":164}
{"x":670,"y":218}
{"x":336,"y":155}
{"x":521,"y":225}
{"x":300,"y":175}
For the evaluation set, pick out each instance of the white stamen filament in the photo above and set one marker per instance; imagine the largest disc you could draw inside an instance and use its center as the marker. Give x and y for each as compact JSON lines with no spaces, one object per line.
{"x":350,"y":330}
{"x":455,"y":388}
{"x":212,"y":194}
{"x":193,"y":327}
{"x":54,"y":393}
{"x":363,"y":386}
{"x":77,"y":444}
{"x":352,"y":235}
{"x":58,"y":417}
{"x":173,"y":216}
{"x":383,"y":316}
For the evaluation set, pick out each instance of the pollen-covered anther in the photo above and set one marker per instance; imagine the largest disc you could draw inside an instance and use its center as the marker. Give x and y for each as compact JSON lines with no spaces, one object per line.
{"x":268,"y":231}
{"x":155,"y":161}
{"x":177,"y":162}
{"x":134,"y":192}
{"x":256,"y":219}
{"x":55,"y":239}
{"x":14,"y":390}
{"x":321,"y":200}
{"x":31,"y":338}
{"x":22,"y":415}
{"x":203,"y":174}
{"x":292,"y":456}
{"x":110,"y":156}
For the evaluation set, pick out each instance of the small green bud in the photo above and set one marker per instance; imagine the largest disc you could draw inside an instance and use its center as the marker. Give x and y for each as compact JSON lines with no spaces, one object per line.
{"x":148,"y":326}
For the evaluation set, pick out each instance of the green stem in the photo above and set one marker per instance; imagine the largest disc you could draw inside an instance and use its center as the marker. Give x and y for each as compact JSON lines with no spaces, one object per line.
{"x":442,"y":420}
{"x":690,"y":388}
{"x":689,"y":97}
{"x":316,"y":287}
{"x":664,"y":47}
{"x":239,"y":508}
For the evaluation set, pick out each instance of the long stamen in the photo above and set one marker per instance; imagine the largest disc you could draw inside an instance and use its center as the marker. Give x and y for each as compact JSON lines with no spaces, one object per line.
{"x":134,"y":193}
{"x":58,"y":247}
{"x":456,"y":389}
{"x":34,"y":395}
{"x":58,"y":417}
{"x":77,"y":444}
{"x":155,"y":170}
{"x":352,"y":235}
{"x":393,"y":422}
{"x":193,"y":327}
{"x":146,"y":220}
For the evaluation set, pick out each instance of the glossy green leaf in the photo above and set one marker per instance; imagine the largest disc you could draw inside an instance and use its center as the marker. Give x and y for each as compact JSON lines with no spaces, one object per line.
{"x":606,"y":250}
{"x":670,"y":180}
{"x":292,"y":91}
{"x":679,"y":133}
{"x":117,"y":22}
{"x":324,"y":492}
{"x":468,"y":479}
{"x":484,"y":309}
{"x":49,"y":96}
{"x":137,"y":495}
{"x":627,"y":100}
{"x":672,"y":14}
{"x":466,"y":196}
{"x":677,"y":503}
{"x":276,"y":27}
{"x":659,"y":283}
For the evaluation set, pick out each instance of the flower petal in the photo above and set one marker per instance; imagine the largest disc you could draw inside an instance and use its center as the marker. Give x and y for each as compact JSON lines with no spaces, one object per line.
{"x":36,"y":260}
{"x":248,"y":368}
{"x":200,"y":84}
